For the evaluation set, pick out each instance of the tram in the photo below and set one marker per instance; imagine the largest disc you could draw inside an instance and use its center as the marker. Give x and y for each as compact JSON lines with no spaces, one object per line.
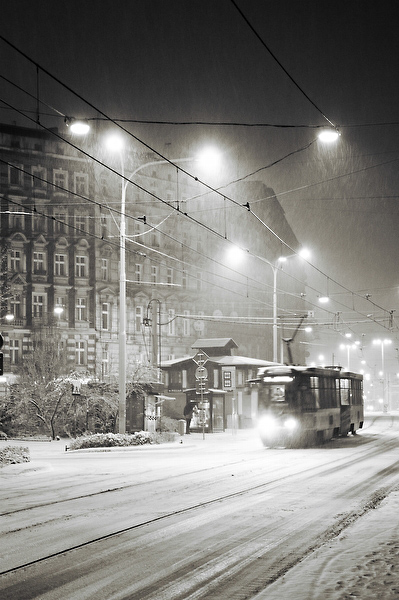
{"x":301,"y":406}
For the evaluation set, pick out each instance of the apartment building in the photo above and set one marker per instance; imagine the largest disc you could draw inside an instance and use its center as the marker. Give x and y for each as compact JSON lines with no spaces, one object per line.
{"x":60,"y":241}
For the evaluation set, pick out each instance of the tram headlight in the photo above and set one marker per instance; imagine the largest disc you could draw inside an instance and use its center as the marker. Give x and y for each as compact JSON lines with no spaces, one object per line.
{"x":267,"y":425}
{"x":291,"y":424}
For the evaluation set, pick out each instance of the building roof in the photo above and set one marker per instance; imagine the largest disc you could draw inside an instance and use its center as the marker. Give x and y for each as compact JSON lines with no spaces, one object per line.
{"x":214,"y":343}
{"x":215,"y":346}
{"x":223,"y":361}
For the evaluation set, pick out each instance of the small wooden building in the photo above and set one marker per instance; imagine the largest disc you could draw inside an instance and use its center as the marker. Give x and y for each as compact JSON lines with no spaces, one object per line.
{"x":216,"y":379}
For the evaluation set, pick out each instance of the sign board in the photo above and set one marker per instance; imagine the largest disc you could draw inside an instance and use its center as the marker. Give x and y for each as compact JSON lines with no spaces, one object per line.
{"x":201,"y":373}
{"x":200,"y":358}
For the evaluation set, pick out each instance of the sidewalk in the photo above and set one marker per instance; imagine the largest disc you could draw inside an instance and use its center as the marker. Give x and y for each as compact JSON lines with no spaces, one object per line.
{"x":362,"y":562}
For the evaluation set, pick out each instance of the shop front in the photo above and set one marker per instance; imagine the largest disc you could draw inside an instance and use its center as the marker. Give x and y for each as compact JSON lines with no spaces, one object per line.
{"x":211,"y":414}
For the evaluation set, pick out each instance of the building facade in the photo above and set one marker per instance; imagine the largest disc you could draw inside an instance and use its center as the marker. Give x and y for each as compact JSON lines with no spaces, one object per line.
{"x":60,"y":239}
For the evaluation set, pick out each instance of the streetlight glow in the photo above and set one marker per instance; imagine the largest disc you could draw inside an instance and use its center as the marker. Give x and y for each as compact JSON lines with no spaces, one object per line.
{"x":209,"y":159}
{"x":328,"y":135}
{"x":77,"y":126}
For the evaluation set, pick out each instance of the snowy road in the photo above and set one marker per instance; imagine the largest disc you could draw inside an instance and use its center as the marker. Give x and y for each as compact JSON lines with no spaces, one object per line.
{"x":215,"y":518}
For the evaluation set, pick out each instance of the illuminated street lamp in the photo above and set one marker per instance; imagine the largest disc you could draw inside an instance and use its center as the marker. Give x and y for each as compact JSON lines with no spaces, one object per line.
{"x":77,"y":126}
{"x":329,"y":135}
{"x":348,"y":348}
{"x":382,"y":343}
{"x":115,"y":143}
{"x":304,"y":253}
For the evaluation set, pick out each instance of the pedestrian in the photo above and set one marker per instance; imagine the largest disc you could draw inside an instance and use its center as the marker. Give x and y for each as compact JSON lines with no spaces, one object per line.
{"x":188,"y":415}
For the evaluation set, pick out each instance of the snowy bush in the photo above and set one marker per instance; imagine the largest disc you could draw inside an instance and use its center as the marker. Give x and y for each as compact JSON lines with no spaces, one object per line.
{"x":107,"y":440}
{"x":11,"y":455}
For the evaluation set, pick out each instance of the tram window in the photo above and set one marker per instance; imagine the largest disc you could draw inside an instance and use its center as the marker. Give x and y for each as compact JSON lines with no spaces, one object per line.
{"x":345,"y":391}
{"x":314,"y":385}
{"x":274,"y":393}
{"x":277,"y":393}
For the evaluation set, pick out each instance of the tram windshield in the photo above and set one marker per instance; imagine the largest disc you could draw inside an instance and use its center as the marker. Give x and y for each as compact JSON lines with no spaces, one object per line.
{"x":276,"y":389}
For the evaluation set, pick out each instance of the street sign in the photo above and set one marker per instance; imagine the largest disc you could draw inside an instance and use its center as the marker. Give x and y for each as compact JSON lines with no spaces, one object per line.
{"x":201,"y":373}
{"x":201,"y":386}
{"x":200,"y":358}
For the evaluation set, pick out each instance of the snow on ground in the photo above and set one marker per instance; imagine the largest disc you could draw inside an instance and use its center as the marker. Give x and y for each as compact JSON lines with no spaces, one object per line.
{"x":362,"y":562}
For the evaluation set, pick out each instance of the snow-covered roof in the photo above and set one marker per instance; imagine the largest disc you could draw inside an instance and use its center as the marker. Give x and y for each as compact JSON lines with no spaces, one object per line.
{"x":214,"y":343}
{"x":223,"y":361}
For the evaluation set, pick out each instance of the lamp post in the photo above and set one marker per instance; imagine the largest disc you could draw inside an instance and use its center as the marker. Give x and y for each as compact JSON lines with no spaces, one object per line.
{"x":304,"y":253}
{"x":115,"y":143}
{"x":383,"y":343}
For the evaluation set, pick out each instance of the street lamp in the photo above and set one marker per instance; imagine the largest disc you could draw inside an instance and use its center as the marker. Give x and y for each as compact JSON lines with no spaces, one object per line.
{"x":329,"y":135}
{"x":348,"y":348}
{"x":304,"y":253}
{"x":382,"y":343}
{"x":115,"y":143}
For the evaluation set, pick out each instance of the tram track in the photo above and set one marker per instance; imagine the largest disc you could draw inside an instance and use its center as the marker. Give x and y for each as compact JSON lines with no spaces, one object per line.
{"x":324,"y":470}
{"x":138,"y":484}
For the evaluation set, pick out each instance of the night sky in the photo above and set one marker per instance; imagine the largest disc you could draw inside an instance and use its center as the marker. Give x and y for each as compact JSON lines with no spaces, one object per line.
{"x":199,"y":60}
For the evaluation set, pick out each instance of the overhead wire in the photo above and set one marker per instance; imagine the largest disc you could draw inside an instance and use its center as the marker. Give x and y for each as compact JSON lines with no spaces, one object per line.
{"x":296,"y":84}
{"x":210,"y":188}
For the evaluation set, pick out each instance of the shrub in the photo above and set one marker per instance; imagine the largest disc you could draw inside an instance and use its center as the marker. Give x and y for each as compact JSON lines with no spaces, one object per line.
{"x":12,"y":455}
{"x":107,"y":440}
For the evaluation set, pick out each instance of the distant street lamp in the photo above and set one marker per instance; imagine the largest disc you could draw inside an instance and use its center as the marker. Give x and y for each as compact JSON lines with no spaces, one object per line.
{"x":304,"y":253}
{"x":383,"y":343}
{"x":348,"y":348}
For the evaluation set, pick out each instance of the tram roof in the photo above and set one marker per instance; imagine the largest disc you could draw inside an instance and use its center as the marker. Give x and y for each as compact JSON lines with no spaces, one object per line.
{"x":292,"y":369}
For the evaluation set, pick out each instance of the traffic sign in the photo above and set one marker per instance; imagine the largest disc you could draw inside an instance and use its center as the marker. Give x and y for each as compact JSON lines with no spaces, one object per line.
{"x":201,"y":386}
{"x":200,"y":358}
{"x":201,"y":373}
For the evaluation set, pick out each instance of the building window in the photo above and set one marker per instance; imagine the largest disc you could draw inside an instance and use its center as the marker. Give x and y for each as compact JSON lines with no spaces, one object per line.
{"x":14,"y":175}
{"x":199,"y":281}
{"x":81,"y":183}
{"x":81,"y":266}
{"x":39,"y":264}
{"x":186,"y":323}
{"x":184,"y":280}
{"x":81,"y":223}
{"x":16,"y":261}
{"x":105,"y":362}
{"x":154,"y":274}
{"x":138,"y":318}
{"x":39,"y":222}
{"x":155,"y":239}
{"x":227,"y":379}
{"x":60,"y":180}
{"x":81,"y":309}
{"x":17,"y":217}
{"x":16,"y":306}
{"x":39,"y":178}
{"x":60,"y":222}
{"x":104,"y":269}
{"x":105,"y":316}
{"x":215,"y":378}
{"x":38,"y":305}
{"x":14,"y":352}
{"x":104,"y":221}
{"x":60,"y":265}
{"x":60,"y":305}
{"x":169,"y":276}
{"x":138,"y":272}
{"x":80,"y":353}
{"x":171,"y":322}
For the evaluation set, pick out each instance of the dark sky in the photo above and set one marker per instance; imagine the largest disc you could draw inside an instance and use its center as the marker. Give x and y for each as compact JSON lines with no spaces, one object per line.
{"x":197,"y":60}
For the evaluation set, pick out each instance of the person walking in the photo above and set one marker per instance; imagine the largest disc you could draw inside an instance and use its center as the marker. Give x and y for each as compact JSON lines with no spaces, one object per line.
{"x":188,"y":415}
